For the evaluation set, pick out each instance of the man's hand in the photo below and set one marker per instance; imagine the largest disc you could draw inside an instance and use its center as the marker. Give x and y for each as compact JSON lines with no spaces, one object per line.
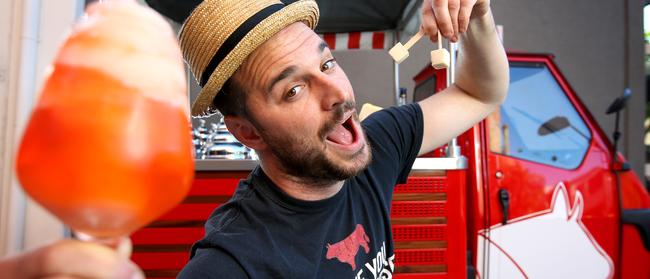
{"x":452,"y":17}
{"x":73,"y":259}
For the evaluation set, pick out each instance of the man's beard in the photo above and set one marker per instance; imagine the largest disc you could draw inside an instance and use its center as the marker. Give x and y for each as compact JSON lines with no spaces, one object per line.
{"x":306,"y":160}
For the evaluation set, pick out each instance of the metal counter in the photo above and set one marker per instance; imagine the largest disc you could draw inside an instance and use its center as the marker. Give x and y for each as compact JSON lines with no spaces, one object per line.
{"x":224,"y":165}
{"x":247,"y":165}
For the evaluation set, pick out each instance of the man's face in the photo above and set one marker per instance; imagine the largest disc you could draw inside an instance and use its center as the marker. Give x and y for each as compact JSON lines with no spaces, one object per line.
{"x":302,"y":105}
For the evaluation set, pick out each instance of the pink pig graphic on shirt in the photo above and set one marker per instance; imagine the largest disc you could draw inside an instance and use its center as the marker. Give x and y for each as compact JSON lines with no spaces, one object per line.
{"x":346,"y":250}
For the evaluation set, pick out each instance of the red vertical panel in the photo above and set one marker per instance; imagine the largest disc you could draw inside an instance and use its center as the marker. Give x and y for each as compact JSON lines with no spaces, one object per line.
{"x":456,"y":224}
{"x":378,"y":40}
{"x":354,"y":39}
{"x":441,"y":80}
{"x":330,"y":39}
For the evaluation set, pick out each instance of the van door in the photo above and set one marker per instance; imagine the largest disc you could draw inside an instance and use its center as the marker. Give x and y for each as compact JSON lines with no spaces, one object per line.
{"x":552,"y":203}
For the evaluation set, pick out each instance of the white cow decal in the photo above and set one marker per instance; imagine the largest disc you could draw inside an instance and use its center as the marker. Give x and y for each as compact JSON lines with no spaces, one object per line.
{"x":549,"y":244}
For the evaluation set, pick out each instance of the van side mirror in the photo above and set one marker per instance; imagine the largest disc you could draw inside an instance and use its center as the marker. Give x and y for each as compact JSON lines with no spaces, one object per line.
{"x":616,"y":107}
{"x":620,"y":102}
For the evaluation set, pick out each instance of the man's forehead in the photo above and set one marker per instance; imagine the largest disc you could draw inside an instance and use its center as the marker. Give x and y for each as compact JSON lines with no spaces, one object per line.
{"x":296,"y":37}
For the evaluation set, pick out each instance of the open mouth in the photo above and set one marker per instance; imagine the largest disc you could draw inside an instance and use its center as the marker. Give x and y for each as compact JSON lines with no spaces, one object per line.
{"x":344,"y":134}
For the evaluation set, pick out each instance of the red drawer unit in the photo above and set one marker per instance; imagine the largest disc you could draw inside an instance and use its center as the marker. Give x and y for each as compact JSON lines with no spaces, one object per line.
{"x":419,"y":232}
{"x":429,"y":227}
{"x":162,"y":248}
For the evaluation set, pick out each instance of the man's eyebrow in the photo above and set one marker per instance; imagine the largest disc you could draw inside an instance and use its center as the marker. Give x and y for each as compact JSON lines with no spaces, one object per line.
{"x":322,"y":46}
{"x":284,"y":74}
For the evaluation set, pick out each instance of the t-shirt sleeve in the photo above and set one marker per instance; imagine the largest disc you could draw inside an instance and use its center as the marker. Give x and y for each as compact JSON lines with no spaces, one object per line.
{"x":395,"y":135}
{"x":212,"y":263}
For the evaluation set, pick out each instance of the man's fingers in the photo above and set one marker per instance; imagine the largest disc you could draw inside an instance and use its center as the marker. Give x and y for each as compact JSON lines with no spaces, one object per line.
{"x":464,"y":14}
{"x":78,"y":259}
{"x":441,"y":12}
{"x":454,"y":8}
{"x":429,"y":22}
{"x":451,"y":17}
{"x":124,"y":247}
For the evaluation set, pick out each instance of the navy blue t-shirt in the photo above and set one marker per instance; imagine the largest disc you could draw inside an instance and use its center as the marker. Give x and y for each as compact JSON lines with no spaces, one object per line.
{"x":264,"y":233}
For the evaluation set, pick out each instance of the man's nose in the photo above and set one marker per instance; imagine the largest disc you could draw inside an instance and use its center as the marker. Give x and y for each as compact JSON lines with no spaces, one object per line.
{"x":333,"y":93}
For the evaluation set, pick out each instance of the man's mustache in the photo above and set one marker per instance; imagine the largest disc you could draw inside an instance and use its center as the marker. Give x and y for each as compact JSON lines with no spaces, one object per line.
{"x":339,"y":112}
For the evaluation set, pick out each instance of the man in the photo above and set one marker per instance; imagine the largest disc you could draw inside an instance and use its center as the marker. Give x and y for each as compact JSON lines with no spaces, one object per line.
{"x":318,"y":204}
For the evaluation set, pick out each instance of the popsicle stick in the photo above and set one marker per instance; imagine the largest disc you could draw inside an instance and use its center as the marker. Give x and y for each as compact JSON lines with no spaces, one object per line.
{"x":414,"y":39}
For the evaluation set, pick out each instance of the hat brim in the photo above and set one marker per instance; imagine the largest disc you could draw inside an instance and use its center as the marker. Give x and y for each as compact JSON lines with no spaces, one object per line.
{"x":305,"y":11}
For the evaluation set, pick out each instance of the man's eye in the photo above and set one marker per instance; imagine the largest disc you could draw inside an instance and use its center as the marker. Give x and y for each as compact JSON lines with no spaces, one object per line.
{"x":293,"y":91}
{"x":328,"y":65}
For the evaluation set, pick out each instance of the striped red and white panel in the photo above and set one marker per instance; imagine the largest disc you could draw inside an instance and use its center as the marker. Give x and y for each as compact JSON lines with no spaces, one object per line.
{"x":368,"y":40}
{"x":358,"y":40}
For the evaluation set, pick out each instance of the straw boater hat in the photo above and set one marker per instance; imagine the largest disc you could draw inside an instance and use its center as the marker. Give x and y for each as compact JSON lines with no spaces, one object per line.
{"x":220,"y":34}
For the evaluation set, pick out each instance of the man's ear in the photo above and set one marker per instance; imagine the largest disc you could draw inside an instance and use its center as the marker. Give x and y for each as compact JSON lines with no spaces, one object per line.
{"x":244,"y":132}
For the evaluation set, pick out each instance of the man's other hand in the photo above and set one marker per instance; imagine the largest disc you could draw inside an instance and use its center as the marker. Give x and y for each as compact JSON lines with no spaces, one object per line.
{"x":450,"y":16}
{"x":73,"y":259}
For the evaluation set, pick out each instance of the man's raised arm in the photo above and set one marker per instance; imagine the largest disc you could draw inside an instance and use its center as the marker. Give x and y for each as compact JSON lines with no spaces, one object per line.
{"x":481,"y":71}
